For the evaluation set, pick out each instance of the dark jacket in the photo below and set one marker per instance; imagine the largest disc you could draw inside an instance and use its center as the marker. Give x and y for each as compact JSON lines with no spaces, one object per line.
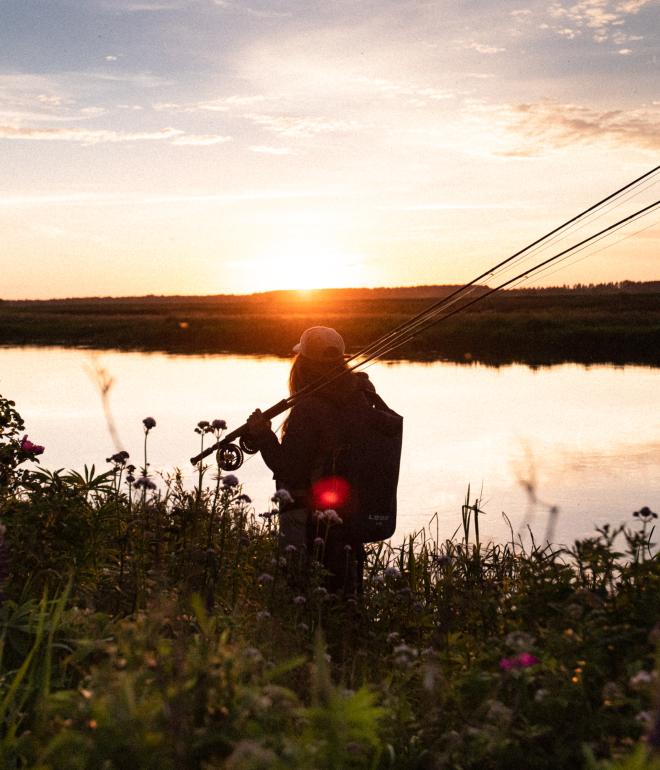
{"x":312,"y":434}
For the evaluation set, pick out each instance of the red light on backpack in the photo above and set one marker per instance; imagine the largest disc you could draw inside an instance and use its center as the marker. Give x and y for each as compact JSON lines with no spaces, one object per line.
{"x":332,"y":492}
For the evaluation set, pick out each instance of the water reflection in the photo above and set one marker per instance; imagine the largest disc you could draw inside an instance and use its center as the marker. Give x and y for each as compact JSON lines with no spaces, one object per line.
{"x":585,"y":439}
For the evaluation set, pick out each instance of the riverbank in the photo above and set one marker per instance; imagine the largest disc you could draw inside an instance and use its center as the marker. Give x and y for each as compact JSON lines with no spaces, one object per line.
{"x":535,"y":328}
{"x":165,"y":628}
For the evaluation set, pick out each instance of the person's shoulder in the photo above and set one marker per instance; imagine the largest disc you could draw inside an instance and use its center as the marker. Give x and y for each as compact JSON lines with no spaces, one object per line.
{"x":363,"y":382}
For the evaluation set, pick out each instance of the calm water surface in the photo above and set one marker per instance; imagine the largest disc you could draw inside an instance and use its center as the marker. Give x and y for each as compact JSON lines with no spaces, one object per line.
{"x":588,"y":439}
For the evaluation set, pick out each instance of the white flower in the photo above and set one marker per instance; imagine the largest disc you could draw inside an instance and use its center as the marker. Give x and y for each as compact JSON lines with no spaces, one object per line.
{"x":282,"y":497}
{"x":640,"y":680}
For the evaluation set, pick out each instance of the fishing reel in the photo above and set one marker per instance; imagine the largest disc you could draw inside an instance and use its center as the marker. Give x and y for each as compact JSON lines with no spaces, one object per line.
{"x":229,"y":457}
{"x":246,"y":446}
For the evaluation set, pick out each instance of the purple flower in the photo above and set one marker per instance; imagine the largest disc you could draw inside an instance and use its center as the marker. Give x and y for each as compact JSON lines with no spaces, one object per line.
{"x":149,"y":423}
{"x":299,"y":600}
{"x":146,"y":482}
{"x":265,"y":578}
{"x":30,"y":448}
{"x":282,"y":496}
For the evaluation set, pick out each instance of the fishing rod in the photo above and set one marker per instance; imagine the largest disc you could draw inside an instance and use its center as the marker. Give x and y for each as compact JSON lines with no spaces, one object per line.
{"x":457,"y":294}
{"x":440,"y":303}
{"x":230,"y":456}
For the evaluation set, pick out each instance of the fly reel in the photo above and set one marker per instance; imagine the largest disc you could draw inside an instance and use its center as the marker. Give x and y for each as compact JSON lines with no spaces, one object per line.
{"x":229,"y":457}
{"x":246,"y":446}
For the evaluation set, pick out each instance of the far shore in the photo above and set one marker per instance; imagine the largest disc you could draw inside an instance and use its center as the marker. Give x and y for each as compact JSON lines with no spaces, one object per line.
{"x":617,"y":324}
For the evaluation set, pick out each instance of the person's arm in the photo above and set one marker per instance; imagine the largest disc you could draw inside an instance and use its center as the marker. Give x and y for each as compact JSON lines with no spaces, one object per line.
{"x":291,"y":461}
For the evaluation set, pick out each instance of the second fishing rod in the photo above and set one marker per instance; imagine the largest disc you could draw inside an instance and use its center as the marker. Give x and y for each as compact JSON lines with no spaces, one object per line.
{"x":230,"y":456}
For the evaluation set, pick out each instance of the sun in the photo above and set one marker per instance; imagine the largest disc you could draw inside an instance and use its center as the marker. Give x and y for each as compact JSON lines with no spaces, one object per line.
{"x":305,"y":265}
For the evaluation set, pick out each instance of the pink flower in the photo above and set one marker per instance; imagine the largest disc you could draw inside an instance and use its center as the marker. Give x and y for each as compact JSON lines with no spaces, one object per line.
{"x":523,"y":660}
{"x":526,"y":659}
{"x":30,"y":448}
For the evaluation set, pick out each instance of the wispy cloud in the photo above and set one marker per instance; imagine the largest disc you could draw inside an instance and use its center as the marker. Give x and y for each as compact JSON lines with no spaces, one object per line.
{"x":267,"y":150}
{"x":201,"y":140}
{"x":104,"y":136}
{"x":140,"y":199}
{"x":552,"y":124}
{"x":301,"y":127}
{"x":601,"y":19}
{"x":484,"y":48}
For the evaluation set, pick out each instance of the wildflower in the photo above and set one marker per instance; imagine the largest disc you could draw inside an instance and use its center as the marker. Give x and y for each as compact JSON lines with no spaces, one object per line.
{"x":645,"y":513}
{"x":519,"y":640}
{"x":145,"y":482}
{"x":393,"y":637}
{"x":319,"y":541}
{"x":392,"y":572}
{"x":265,"y":578}
{"x":219,"y":425}
{"x":203,"y":424}
{"x":282,"y":497}
{"x":263,"y":615}
{"x":253,"y":654}
{"x":498,"y":712}
{"x":641,"y":680}
{"x":244,"y":498}
{"x":526,"y":659}
{"x":267,"y":515}
{"x":230,"y":481}
{"x":299,"y":600}
{"x":540,"y":695}
{"x":404,"y":655}
{"x":130,"y":478}
{"x":291,"y":548}
{"x":523,"y":660}
{"x":30,"y":448}
{"x":149,"y":423}
{"x":321,"y":592}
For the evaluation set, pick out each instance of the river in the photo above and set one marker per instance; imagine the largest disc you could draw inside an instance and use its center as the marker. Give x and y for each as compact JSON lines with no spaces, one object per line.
{"x":586,"y":439}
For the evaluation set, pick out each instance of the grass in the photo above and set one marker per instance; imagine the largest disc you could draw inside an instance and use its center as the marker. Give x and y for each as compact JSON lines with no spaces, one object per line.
{"x":164,"y":628}
{"x":535,"y":328}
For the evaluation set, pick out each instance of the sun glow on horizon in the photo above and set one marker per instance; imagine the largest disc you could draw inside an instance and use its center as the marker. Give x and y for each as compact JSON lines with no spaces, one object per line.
{"x":304,"y":265}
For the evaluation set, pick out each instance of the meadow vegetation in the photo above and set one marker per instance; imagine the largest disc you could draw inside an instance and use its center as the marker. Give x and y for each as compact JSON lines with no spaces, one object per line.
{"x":145,"y":624}
{"x":536,"y":327}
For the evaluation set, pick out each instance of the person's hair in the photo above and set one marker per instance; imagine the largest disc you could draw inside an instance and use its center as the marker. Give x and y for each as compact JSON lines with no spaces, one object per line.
{"x":305,"y":372}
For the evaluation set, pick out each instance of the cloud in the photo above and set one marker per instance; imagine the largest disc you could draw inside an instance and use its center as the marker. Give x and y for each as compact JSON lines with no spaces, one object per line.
{"x":485,"y":49}
{"x":599,"y":18}
{"x":266,"y":150}
{"x":552,"y":124}
{"x":142,"y":6}
{"x":104,"y":136}
{"x":201,"y":140}
{"x":303,"y":127}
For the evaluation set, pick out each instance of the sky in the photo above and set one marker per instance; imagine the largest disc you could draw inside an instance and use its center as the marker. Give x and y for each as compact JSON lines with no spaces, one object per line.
{"x":221,"y":146}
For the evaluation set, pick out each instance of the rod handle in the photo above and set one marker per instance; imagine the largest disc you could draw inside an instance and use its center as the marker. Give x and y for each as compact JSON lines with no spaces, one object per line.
{"x":273,"y":411}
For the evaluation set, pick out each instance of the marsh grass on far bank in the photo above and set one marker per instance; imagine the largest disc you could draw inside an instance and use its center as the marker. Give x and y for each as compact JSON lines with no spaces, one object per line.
{"x":154,"y":626}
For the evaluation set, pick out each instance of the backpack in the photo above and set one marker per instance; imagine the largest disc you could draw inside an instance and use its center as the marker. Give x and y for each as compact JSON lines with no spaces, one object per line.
{"x":362,"y":472}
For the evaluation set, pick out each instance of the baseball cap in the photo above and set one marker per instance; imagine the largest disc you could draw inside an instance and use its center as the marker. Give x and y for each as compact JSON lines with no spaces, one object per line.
{"x":320,"y":343}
